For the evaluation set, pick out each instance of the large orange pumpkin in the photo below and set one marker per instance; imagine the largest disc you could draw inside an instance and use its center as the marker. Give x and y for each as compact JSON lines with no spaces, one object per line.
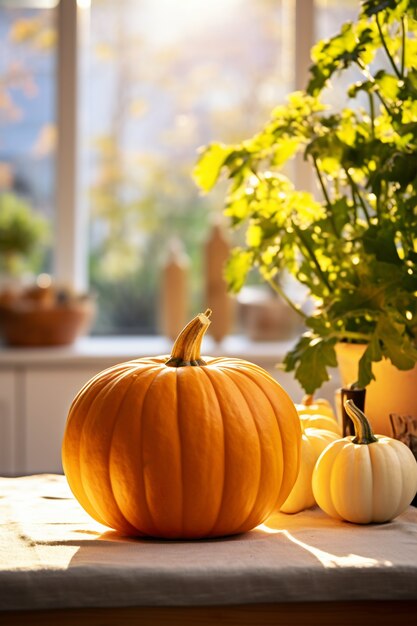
{"x":182,"y":447}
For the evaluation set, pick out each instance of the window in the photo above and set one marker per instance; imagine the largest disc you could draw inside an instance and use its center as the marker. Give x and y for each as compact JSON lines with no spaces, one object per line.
{"x":158,"y":78}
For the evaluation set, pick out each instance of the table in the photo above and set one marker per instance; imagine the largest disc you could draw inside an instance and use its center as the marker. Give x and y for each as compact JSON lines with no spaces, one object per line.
{"x":58,"y":566}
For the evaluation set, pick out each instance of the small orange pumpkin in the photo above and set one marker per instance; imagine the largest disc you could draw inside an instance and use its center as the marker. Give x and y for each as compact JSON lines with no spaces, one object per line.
{"x":320,"y":421}
{"x":315,"y":406}
{"x":317,"y":413}
{"x":182,"y":447}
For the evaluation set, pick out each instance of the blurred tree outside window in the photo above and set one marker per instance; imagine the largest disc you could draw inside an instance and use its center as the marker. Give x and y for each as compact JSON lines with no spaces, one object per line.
{"x":166,"y":78}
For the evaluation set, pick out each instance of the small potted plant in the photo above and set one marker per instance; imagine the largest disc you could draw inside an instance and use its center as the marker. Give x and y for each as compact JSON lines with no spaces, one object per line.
{"x":353,"y":244}
{"x":22,"y":235}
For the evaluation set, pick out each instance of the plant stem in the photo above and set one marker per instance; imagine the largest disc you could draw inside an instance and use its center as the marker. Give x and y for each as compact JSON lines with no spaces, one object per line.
{"x":380,"y":196}
{"x":322,"y":185}
{"x":348,"y":334}
{"x":371,"y":79}
{"x":403,"y":40}
{"x":372,"y":113}
{"x":256,"y":174}
{"x":278,"y":289}
{"x":384,"y":45}
{"x":356,"y":193}
{"x":326,"y":196}
{"x":312,"y":256}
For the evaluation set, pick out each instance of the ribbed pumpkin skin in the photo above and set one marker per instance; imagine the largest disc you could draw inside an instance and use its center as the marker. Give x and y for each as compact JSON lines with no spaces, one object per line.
{"x":182,"y":452}
{"x":313,"y":442}
{"x":320,"y":422}
{"x":317,"y":414}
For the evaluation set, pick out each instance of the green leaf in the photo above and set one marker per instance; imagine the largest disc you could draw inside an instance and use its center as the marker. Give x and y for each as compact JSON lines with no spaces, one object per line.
{"x":367,"y":86}
{"x":354,"y":41}
{"x":254,"y":235}
{"x":285,"y":149}
{"x":372,"y":353}
{"x":341,"y":213}
{"x":389,"y":86}
{"x":237,"y":268}
{"x":399,"y":168}
{"x":209,"y":165}
{"x":380,"y":242}
{"x":397,"y":345}
{"x":372,"y":7}
{"x":309,"y":359}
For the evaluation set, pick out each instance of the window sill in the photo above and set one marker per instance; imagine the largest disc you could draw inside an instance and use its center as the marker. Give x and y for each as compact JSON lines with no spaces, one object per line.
{"x":107,"y":350}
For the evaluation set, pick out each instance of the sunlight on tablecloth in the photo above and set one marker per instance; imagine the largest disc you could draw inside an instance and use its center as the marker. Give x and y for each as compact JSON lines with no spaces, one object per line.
{"x":52,"y":554}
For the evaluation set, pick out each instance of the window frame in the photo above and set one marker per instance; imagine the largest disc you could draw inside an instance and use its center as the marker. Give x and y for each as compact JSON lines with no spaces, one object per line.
{"x":70,"y":265}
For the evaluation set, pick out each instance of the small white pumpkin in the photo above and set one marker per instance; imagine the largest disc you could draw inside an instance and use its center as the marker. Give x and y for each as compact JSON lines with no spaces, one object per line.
{"x":366,"y":478}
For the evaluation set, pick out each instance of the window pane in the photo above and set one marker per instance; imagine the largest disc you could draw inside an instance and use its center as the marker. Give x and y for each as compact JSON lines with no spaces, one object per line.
{"x":330,"y":15}
{"x":27,"y":107}
{"x":166,"y":78}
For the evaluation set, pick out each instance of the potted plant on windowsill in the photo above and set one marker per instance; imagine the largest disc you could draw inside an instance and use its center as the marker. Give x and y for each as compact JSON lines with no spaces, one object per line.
{"x":354,"y":247}
{"x":22,"y":235}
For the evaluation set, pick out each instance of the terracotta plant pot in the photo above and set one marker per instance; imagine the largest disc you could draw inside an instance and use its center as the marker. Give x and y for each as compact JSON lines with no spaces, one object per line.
{"x":393,"y":391}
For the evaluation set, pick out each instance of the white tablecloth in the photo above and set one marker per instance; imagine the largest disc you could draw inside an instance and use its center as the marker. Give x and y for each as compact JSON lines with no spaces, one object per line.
{"x":52,"y":555}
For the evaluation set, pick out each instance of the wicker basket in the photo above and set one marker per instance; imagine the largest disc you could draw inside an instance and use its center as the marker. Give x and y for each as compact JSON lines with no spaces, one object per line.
{"x":27,"y":324}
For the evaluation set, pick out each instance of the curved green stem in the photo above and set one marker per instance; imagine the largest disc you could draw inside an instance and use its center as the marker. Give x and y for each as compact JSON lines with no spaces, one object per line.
{"x":278,"y":289}
{"x":350,"y":334}
{"x":326,"y":196}
{"x":322,"y":185}
{"x":372,"y":113}
{"x":387,"y":52}
{"x":372,"y":80}
{"x":312,"y":256}
{"x":363,"y":431}
{"x":403,"y":40}
{"x":357,"y":194}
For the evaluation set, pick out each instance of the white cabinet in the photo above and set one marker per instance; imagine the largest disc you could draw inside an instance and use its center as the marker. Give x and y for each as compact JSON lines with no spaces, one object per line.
{"x":9,"y":421}
{"x":48,"y":396}
{"x":34,"y":404}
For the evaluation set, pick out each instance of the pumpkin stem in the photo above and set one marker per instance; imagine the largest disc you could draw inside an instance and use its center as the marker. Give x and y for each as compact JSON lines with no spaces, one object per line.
{"x":363,"y":430}
{"x":308,"y":400}
{"x":187,"y":346}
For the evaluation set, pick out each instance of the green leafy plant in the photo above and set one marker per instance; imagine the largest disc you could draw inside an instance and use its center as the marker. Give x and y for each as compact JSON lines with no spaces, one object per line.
{"x":22,"y":233}
{"x":354,"y":246}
